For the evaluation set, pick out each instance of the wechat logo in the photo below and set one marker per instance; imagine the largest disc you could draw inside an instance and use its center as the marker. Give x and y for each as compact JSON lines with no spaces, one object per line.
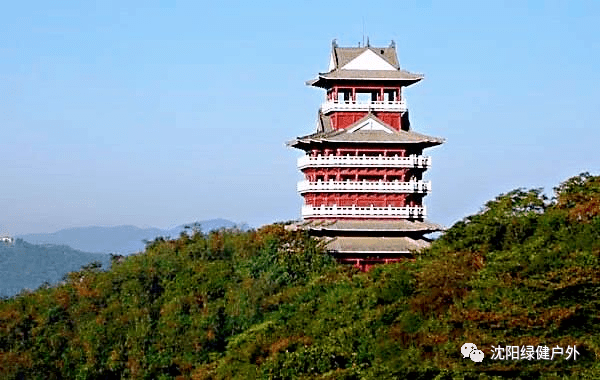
{"x":470,"y":350}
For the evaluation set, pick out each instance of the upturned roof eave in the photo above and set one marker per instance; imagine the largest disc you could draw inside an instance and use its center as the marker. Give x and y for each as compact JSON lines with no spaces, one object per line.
{"x":324,"y":78}
{"x":379,"y":142}
{"x":332,"y":136}
{"x":324,"y":82}
{"x":422,"y":230}
{"x":309,"y":140}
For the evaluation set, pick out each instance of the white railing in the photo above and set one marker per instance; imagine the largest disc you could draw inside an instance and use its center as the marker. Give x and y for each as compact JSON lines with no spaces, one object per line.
{"x":370,"y":212}
{"x":412,"y":161}
{"x":373,"y":186}
{"x":386,"y":105}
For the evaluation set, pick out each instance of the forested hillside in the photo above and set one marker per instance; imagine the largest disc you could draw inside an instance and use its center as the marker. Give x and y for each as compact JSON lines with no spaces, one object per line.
{"x":270,"y":304}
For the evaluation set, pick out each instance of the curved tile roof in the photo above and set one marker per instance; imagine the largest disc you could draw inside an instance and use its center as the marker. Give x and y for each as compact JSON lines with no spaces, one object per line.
{"x":372,"y":225}
{"x":376,"y":245}
{"x":341,"y":56}
{"x":328,"y":134}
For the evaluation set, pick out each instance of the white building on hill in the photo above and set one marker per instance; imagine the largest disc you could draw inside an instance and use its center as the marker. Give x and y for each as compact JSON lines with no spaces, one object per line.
{"x":7,"y":239}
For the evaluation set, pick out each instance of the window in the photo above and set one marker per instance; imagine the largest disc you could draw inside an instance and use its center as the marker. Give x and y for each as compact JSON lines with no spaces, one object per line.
{"x":389,"y":95}
{"x":363,"y":97}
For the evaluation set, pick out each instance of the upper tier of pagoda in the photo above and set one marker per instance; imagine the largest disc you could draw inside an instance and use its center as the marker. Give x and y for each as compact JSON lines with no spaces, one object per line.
{"x":364,"y":64}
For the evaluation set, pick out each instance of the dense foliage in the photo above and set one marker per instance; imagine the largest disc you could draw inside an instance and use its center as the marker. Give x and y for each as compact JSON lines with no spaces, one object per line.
{"x":270,"y":304}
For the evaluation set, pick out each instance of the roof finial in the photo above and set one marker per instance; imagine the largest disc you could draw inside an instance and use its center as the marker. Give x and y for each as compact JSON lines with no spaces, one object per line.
{"x":363,"y":20}
{"x":393,"y":44}
{"x":368,"y":44}
{"x":334,"y":43}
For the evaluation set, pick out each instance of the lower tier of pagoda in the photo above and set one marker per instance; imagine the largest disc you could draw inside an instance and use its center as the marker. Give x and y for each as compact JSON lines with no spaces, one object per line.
{"x":360,"y":174}
{"x":367,"y":242}
{"x":363,"y":212}
{"x":374,"y":159}
{"x":380,"y":186}
{"x":365,"y":264}
{"x":364,"y":199}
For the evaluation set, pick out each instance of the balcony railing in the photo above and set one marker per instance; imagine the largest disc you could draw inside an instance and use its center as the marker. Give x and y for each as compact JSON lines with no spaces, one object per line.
{"x":363,"y":212}
{"x":361,"y":186}
{"x":412,"y":161}
{"x":385,"y":105}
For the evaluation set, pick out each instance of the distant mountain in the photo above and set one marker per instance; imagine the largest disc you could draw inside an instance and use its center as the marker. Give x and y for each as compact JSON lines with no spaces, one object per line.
{"x":119,"y":239}
{"x":24,"y":265}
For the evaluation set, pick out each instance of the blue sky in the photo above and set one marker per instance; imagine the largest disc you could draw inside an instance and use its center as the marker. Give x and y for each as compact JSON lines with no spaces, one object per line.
{"x":157,"y":113}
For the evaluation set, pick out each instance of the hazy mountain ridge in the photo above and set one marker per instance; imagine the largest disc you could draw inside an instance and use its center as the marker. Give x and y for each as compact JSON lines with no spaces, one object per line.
{"x":27,"y":266}
{"x":34,"y":259}
{"x":123,"y":239}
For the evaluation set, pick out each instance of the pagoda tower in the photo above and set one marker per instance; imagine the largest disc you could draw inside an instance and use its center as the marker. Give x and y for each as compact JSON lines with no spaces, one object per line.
{"x":363,"y":167}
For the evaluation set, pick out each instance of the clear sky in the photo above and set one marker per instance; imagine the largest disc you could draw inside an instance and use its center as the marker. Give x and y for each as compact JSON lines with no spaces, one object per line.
{"x":157,"y":113}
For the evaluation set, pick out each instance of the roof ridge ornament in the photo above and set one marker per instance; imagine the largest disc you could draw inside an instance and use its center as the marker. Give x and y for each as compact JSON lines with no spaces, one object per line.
{"x":333,"y":64}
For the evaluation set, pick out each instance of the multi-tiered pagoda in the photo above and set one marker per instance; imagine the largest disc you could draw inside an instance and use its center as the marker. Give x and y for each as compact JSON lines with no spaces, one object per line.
{"x":363,"y":189}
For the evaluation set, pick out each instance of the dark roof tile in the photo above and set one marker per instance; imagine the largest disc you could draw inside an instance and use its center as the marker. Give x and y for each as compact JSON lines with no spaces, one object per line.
{"x":372,"y":225}
{"x":343,"y":55}
{"x":376,"y":245}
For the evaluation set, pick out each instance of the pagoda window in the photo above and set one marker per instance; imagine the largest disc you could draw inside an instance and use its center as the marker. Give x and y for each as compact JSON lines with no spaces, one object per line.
{"x":369,"y":153}
{"x":344,"y":96}
{"x":330,"y":95}
{"x":390,"y":95}
{"x":366,"y":96}
{"x":347,"y":152}
{"x":363,"y":97}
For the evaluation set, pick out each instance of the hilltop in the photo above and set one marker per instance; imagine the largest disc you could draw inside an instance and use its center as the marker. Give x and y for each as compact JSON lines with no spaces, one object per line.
{"x":37,"y":259}
{"x":270,"y":304}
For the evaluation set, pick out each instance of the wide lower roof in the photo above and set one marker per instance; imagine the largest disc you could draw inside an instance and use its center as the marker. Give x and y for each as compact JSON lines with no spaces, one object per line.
{"x":375,"y":245}
{"x":372,"y":225}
